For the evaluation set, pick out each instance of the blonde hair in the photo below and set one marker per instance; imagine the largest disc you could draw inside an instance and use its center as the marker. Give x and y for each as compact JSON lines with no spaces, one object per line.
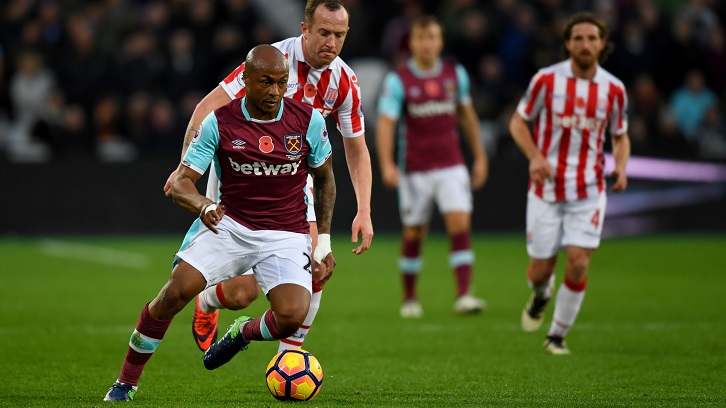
{"x":332,"y":5}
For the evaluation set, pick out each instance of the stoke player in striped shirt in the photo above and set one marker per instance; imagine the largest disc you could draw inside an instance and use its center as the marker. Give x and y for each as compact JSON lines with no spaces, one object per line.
{"x":572,"y":104}
{"x":320,"y":79}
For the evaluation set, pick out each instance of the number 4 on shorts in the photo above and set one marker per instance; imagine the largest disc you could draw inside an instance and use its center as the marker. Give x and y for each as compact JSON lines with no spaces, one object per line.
{"x":595,"y":220}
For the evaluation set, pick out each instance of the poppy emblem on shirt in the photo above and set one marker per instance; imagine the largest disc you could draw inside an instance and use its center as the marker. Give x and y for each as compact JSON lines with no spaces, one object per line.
{"x":330,"y":96}
{"x":266,"y":144}
{"x":310,"y":90}
{"x":580,"y":103}
{"x":293,"y":143}
{"x":431,"y":88}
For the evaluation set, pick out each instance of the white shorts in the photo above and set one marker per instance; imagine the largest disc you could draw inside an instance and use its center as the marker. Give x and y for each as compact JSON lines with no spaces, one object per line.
{"x":213,"y":194}
{"x":552,"y":225}
{"x":449,"y":188}
{"x":275,"y":257}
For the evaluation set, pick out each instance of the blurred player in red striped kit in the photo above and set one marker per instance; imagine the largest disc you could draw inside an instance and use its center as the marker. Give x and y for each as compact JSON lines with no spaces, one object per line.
{"x":571,"y":104}
{"x":431,"y":96}
{"x":320,"y":79}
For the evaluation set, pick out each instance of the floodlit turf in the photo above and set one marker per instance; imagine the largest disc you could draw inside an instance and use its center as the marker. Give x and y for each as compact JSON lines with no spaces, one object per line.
{"x":652,"y":331}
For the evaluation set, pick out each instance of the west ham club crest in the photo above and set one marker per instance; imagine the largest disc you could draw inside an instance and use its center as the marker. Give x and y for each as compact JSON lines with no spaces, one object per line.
{"x":293,"y":143}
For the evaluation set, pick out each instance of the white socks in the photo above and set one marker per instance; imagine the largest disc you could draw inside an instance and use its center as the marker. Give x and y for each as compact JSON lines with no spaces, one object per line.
{"x":567,"y":306}
{"x":208,"y":300}
{"x":296,"y":340}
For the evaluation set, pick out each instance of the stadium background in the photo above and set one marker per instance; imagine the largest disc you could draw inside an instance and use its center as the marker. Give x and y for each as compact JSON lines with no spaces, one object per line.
{"x":86,"y":235}
{"x":95,"y":96}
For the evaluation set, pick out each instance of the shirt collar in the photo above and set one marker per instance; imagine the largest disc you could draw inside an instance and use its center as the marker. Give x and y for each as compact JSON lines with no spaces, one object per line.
{"x":436,"y":70}
{"x":570,"y":74}
{"x":251,"y":119}
{"x":298,"y":50}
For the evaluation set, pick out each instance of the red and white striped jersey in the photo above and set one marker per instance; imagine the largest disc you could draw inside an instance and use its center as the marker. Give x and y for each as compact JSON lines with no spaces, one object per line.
{"x":331,"y":90}
{"x":570,"y":116}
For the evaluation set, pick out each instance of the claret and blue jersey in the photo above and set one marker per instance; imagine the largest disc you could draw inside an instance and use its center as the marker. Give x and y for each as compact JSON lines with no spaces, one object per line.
{"x":262,"y":165}
{"x":429,"y":102}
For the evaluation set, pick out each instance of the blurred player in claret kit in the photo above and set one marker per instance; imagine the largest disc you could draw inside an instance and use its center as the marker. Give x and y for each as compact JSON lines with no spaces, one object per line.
{"x":259,"y":222}
{"x":320,"y":79}
{"x":431,"y":95}
{"x":571,"y":104}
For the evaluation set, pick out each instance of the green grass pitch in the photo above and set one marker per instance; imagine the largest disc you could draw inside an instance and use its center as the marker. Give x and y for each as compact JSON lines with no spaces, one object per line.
{"x":651,"y":333}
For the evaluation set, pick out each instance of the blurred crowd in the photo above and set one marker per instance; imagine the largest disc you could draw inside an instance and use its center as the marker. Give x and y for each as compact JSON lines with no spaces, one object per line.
{"x":119,"y":79}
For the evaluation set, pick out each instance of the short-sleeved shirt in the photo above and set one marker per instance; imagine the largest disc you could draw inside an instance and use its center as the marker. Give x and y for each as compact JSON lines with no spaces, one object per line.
{"x":570,"y":116}
{"x":428,"y":101}
{"x":331,"y":90}
{"x":262,"y":165}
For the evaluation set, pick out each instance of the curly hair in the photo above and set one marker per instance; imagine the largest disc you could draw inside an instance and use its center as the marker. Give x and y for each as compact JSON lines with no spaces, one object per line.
{"x":586,"y":17}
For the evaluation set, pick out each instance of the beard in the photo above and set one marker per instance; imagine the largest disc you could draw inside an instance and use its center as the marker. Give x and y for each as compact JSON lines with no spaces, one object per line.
{"x":584,"y":62}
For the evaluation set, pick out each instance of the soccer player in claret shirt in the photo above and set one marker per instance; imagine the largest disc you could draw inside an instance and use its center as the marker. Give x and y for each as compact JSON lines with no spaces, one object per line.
{"x":431,"y":95}
{"x":259,"y":222}
{"x":318,"y":78}
{"x":572,"y":104}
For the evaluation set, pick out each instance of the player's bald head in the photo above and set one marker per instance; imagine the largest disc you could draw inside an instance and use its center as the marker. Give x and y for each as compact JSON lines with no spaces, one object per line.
{"x":266,"y":59}
{"x":265,"y":77}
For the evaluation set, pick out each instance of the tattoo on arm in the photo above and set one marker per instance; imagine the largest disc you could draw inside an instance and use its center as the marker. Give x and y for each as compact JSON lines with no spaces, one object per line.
{"x":324,"y":193}
{"x":188,"y":136}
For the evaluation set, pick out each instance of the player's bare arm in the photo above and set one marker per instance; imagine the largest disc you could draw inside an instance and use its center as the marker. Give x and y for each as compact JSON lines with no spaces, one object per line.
{"x":621,"y":154}
{"x":184,"y":192}
{"x":215,"y":99}
{"x":359,"y":167}
{"x":324,"y":193}
{"x":539,"y":168}
{"x":470,"y":127}
{"x":385,"y":147}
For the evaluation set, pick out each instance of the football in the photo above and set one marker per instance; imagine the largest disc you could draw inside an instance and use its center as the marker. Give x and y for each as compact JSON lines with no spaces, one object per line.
{"x":294,"y":375}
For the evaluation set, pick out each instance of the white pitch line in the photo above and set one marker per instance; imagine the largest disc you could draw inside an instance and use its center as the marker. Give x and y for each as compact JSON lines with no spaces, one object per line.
{"x":623,"y":326}
{"x":90,"y":253}
{"x":90,"y":330}
{"x":586,"y":327}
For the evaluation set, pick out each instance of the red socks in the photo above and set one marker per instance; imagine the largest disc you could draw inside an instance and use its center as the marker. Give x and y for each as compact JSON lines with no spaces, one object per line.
{"x":147,"y":336}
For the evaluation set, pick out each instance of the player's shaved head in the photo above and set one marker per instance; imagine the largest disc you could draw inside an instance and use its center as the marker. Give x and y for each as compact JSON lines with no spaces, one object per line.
{"x":266,"y":58}
{"x":265,"y":78}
